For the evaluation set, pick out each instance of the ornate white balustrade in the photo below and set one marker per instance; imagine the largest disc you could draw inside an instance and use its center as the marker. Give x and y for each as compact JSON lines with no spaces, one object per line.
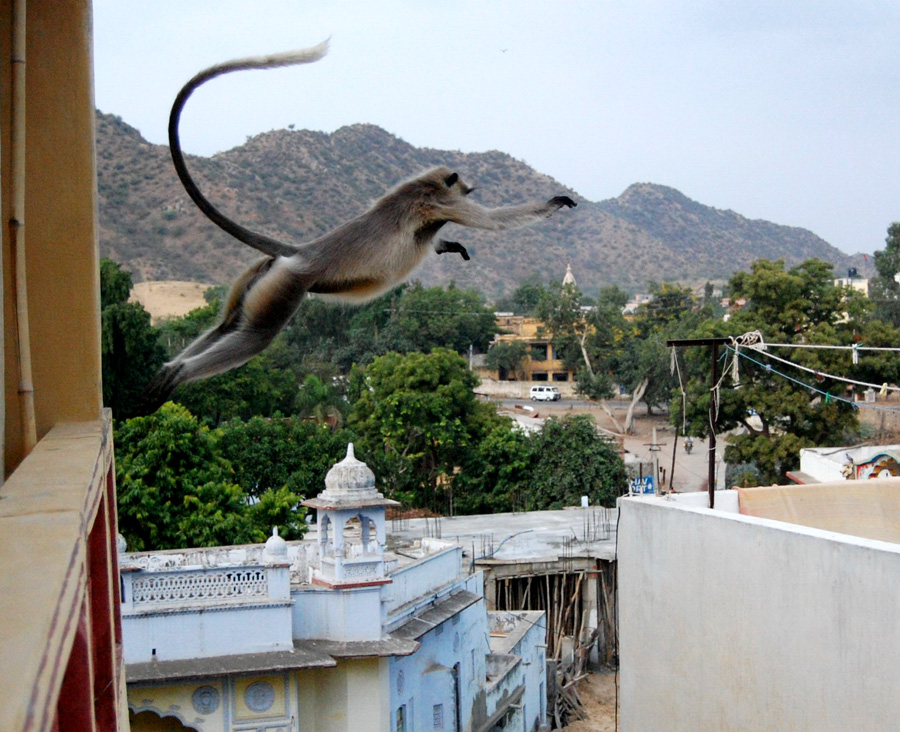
{"x":203,"y":611}
{"x":199,"y":587}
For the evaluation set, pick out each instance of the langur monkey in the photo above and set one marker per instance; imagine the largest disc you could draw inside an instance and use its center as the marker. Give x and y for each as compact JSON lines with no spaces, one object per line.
{"x":358,"y":261}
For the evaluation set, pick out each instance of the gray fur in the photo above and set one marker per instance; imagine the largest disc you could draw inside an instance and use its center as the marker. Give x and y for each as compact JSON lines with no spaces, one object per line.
{"x":358,"y":261}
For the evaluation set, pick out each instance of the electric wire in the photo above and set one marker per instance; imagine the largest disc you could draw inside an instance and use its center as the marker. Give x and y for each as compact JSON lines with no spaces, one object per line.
{"x":827,"y":395}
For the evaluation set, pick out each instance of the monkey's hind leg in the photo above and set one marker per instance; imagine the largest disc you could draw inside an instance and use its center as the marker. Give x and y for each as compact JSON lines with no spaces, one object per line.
{"x":159,"y":389}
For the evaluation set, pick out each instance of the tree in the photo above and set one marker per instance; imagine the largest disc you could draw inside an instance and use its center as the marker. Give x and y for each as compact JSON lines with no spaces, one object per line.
{"x":115,"y":284}
{"x":562,"y":312}
{"x":268,"y":454}
{"x":492,"y":477}
{"x":777,"y":408}
{"x":262,"y":386}
{"x":265,"y":385}
{"x":884,"y":289}
{"x":417,"y":417}
{"x":607,"y":336}
{"x":525,"y":298}
{"x":325,"y":337}
{"x":643,"y":362}
{"x":569,"y":460}
{"x":506,"y":357}
{"x":129,"y":348}
{"x":434,"y":317}
{"x":176,"y":333}
{"x":320,"y":402}
{"x":174,"y":490}
{"x":591,"y":336}
{"x":177,"y":490}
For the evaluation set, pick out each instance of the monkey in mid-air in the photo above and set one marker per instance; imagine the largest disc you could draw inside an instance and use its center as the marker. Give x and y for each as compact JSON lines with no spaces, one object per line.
{"x":358,"y":261}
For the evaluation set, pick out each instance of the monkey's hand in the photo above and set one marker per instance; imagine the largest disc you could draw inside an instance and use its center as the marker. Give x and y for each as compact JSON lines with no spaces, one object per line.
{"x":560,"y":201}
{"x":443,"y":246}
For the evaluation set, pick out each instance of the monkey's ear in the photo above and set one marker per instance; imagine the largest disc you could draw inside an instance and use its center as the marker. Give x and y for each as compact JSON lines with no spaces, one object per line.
{"x":451,"y":179}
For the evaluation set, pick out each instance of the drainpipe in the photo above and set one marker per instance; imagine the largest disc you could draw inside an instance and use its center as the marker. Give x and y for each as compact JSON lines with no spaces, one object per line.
{"x":17,"y":228}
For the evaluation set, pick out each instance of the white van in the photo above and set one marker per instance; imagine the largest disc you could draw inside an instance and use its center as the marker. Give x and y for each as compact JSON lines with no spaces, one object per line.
{"x":544,"y":394}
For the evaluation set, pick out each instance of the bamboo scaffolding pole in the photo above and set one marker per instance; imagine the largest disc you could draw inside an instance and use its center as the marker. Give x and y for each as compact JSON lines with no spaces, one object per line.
{"x":17,"y":228}
{"x":560,"y":585}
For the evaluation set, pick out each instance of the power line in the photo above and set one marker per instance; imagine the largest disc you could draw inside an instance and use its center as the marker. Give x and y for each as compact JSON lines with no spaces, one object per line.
{"x":827,"y":395}
{"x":835,"y":348}
{"x":824,"y":374}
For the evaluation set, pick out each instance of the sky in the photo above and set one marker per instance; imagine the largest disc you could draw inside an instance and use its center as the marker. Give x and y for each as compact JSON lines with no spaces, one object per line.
{"x":784,"y":111}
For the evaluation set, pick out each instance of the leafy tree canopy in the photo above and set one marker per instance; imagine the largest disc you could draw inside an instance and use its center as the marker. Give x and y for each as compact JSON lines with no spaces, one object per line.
{"x":175,"y":490}
{"x":416,"y":416}
{"x":493,"y":476}
{"x":524,"y":299}
{"x":569,"y":460}
{"x":507,"y":357}
{"x":262,"y":386}
{"x":129,"y":349}
{"x":434,"y":317}
{"x":781,"y":409}
{"x":115,"y":284}
{"x":884,"y":289}
{"x":273,"y":453}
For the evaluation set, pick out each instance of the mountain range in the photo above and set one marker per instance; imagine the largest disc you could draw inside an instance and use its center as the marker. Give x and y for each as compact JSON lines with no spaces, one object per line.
{"x":298,"y":184}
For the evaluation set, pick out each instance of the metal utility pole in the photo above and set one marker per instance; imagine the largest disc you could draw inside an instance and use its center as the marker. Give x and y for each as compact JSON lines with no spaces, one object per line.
{"x":714,"y":344}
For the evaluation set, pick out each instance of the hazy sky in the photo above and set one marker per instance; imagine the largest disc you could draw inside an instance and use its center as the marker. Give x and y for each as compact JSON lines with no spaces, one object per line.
{"x":786,"y":110}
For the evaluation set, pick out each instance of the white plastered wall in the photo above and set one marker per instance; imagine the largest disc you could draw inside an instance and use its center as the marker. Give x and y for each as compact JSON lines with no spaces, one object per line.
{"x":729,"y":622}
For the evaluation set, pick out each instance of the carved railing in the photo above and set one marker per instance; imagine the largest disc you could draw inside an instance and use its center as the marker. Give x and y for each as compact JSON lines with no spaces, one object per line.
{"x":199,"y":587}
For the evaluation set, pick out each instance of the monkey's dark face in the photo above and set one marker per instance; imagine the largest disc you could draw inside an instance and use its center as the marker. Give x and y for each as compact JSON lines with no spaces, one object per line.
{"x":454,"y":182}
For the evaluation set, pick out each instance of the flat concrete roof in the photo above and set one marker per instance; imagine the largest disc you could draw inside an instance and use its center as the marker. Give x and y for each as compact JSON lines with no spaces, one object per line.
{"x":514,"y":537}
{"x":300,"y":657}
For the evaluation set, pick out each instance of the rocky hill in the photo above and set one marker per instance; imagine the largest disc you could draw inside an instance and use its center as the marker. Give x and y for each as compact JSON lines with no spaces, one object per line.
{"x":296,"y":185}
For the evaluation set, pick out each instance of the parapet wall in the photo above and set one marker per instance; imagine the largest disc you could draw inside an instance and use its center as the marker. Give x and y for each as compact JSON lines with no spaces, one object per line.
{"x":741,"y":623}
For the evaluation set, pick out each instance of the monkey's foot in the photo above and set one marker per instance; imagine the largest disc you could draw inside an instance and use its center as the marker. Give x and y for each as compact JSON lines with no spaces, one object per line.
{"x":560,"y":201}
{"x":444,"y":246}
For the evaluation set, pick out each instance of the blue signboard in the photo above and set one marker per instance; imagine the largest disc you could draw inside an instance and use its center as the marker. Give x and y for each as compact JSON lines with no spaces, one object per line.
{"x":642,"y":486}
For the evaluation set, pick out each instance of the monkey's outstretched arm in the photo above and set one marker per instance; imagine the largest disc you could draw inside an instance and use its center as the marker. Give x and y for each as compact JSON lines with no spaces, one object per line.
{"x":468,"y":213}
{"x":265,"y":244}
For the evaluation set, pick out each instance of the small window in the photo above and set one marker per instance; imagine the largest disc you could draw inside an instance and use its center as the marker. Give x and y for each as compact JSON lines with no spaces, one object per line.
{"x":437,"y":714}
{"x":401,"y":719}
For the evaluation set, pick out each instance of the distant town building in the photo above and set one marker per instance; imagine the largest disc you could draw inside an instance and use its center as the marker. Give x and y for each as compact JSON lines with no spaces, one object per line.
{"x":542,"y":362}
{"x":853,"y":280}
{"x":635,"y":302}
{"x":333,"y":633}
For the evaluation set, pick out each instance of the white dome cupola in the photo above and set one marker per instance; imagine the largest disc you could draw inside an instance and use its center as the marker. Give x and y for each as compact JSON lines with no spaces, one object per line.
{"x":349,"y":496}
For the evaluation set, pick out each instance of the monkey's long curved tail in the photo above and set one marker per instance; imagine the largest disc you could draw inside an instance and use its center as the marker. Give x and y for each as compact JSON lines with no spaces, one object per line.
{"x":261,"y":242}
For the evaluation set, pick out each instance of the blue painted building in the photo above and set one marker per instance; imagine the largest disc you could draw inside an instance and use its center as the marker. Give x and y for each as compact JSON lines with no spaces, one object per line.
{"x":332,"y":633}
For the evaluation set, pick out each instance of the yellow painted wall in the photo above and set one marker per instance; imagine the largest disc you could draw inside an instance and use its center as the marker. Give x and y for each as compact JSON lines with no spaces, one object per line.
{"x":60,"y":221}
{"x":354,"y":696}
{"x":173,"y":702}
{"x":61,"y":211}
